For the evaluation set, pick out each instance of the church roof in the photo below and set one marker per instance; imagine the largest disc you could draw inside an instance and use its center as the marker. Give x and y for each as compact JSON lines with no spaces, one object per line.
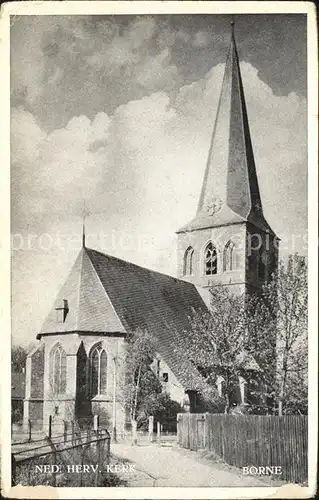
{"x":89,"y":308}
{"x":230,"y":192}
{"x":107,"y":295}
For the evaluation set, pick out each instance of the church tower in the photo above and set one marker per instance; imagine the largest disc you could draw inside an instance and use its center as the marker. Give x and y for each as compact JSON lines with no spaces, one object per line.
{"x":229,"y":241}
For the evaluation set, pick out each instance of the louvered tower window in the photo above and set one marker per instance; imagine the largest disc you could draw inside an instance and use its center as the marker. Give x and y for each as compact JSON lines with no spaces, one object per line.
{"x":231,"y":257}
{"x":210,"y":257}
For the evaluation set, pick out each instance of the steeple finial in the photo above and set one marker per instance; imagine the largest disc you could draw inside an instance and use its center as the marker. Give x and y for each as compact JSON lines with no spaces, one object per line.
{"x":85,"y":213}
{"x":232,"y":27}
{"x":83,"y":233}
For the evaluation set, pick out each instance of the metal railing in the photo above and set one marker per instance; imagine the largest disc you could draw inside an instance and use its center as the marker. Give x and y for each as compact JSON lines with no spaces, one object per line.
{"x":76,"y":457}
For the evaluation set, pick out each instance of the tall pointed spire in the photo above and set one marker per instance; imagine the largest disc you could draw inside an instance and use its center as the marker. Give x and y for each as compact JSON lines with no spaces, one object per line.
{"x":230,"y":191}
{"x":230,"y":172}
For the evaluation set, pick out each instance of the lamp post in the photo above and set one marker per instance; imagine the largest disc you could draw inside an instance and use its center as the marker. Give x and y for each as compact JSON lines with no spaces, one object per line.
{"x":114,"y":400}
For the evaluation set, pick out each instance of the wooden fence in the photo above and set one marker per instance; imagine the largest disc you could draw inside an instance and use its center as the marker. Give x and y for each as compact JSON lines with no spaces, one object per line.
{"x":250,"y":440}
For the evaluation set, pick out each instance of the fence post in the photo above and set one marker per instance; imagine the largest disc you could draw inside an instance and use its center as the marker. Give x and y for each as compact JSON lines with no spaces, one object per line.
{"x":108,"y":448}
{"x":158,"y":427}
{"x":178,"y":430}
{"x":29,"y":430}
{"x":65,"y":431}
{"x":13,"y":470}
{"x":95,"y":423}
{"x":82,"y":461}
{"x":150,"y":428}
{"x":53,"y":461}
{"x":50,"y":427}
{"x":73,"y":433}
{"x":206,"y":429}
{"x":98,"y":451}
{"x":223,"y":436}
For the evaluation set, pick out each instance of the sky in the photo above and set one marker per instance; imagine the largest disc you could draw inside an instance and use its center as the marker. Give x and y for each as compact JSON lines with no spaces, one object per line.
{"x":114,"y":114}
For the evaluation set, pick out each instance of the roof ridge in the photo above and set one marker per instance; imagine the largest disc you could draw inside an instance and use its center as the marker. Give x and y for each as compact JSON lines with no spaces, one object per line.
{"x":106,"y":294}
{"x":244,"y":135}
{"x":77,"y":320}
{"x":138,"y":266}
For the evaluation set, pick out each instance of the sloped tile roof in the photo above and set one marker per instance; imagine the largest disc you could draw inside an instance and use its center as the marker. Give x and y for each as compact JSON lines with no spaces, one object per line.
{"x":89,"y":307}
{"x":145,"y":299}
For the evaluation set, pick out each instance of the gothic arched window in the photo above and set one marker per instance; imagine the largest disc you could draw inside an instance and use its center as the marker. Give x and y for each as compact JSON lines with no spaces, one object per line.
{"x":210,"y":259}
{"x":188,"y":262}
{"x":58,"y":370}
{"x":98,"y":370}
{"x":231,"y":257}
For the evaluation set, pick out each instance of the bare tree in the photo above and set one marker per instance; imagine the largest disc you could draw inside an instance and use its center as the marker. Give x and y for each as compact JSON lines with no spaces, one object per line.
{"x":140,"y":382}
{"x":266,"y":330}
{"x":218,"y":338}
{"x":19,"y":355}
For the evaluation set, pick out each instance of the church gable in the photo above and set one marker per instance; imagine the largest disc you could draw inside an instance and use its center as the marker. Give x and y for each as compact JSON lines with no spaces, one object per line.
{"x":57,"y":322}
{"x":96,"y":312}
{"x":82,"y":304}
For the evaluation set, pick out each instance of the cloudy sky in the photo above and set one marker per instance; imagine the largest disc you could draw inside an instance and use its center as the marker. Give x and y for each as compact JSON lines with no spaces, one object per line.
{"x":115,"y":113}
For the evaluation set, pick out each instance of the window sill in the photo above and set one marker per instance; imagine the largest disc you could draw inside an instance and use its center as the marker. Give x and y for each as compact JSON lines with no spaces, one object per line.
{"x":101,"y":397}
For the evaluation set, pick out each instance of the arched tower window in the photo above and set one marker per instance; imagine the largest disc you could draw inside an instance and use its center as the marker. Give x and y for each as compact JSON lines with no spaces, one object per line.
{"x":58,"y":370}
{"x":231,"y":257}
{"x":210,"y":258}
{"x":188,"y":262}
{"x":98,"y":370}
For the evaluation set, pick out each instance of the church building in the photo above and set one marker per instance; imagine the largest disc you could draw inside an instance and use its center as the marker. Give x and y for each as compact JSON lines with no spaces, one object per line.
{"x":75,"y":369}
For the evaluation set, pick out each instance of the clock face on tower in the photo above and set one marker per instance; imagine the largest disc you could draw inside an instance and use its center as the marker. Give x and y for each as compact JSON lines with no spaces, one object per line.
{"x":214,"y":205}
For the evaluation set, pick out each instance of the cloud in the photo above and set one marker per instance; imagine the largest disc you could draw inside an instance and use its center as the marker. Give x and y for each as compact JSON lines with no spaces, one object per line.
{"x":80,"y":65}
{"x":63,"y":66}
{"x":148,"y":158}
{"x":27,"y":137}
{"x":140,"y":31}
{"x":158,"y":73}
{"x":201,"y":39}
{"x":54,"y":172}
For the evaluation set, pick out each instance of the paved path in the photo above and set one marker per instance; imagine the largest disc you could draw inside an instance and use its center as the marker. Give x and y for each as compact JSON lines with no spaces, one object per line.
{"x":172,"y":466}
